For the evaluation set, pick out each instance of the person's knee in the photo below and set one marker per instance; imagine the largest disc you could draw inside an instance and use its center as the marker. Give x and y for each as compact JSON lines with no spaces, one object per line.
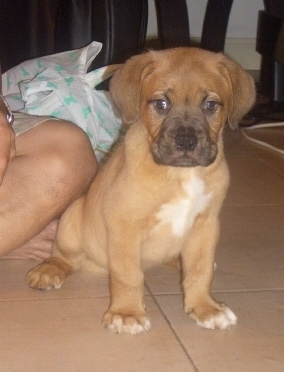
{"x":76,"y":151}
{"x":66,"y":154}
{"x":72,"y":164}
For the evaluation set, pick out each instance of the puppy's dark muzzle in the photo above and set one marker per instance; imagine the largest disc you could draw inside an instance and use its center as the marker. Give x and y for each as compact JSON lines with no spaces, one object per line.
{"x":185,"y":142}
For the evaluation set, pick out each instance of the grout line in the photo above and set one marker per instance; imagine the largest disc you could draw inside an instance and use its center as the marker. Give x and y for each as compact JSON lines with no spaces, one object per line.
{"x":229,"y":291}
{"x":250,"y":290}
{"x":172,"y":329}
{"x":280,"y":204}
{"x":266,"y":162}
{"x":52,"y":299}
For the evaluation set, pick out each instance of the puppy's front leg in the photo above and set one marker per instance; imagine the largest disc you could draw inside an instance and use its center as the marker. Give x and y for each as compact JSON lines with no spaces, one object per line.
{"x":198,"y":263}
{"x":127,"y":311}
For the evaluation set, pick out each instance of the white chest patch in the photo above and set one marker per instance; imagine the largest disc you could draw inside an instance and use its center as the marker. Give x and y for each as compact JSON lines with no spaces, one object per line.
{"x":181,"y":214}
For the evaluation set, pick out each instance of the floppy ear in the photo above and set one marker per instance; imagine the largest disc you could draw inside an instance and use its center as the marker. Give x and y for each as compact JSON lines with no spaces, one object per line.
{"x":242,"y":91}
{"x":125,"y":85}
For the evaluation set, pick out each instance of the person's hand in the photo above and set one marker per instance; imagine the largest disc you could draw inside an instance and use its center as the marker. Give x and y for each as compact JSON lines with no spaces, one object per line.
{"x":7,"y":145}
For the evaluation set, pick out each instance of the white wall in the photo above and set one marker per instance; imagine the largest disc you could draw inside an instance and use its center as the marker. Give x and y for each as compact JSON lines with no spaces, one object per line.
{"x":241,"y":33}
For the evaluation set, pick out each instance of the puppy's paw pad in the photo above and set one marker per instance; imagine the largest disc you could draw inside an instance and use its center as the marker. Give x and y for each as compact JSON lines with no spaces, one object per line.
{"x":223,"y":319}
{"x":45,"y":276}
{"x":126,"y":324}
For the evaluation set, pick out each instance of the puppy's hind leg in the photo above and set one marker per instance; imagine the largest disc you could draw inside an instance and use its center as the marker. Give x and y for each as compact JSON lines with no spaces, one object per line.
{"x":50,"y":274}
{"x":66,"y":258}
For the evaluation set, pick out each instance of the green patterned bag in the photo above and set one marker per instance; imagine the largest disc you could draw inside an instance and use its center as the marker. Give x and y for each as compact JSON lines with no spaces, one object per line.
{"x":60,"y":86}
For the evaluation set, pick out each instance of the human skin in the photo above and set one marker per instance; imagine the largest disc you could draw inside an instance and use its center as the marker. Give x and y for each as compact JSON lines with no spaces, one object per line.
{"x":41,"y":172}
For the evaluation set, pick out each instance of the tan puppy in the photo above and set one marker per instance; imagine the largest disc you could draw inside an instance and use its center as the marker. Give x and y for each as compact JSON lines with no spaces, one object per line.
{"x":160,"y":193}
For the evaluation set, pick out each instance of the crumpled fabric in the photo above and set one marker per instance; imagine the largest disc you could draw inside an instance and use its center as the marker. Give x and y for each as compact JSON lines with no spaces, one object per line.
{"x":59,"y":86}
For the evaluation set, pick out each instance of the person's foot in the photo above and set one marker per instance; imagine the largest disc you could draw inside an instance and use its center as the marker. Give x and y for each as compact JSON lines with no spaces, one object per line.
{"x":38,"y":248}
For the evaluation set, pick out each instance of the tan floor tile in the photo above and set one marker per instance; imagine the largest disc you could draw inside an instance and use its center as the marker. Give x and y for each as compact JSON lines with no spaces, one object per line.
{"x":163,"y":280}
{"x":67,"y":335}
{"x":269,"y":136}
{"x":271,"y":158}
{"x":276,"y":162}
{"x":253,"y":182}
{"x":234,"y":141}
{"x":256,"y":173}
{"x":254,"y":344}
{"x":82,"y":284}
{"x":250,"y":253}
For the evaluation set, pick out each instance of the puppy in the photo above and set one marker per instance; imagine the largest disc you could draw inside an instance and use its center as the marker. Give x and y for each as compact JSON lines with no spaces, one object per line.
{"x":159,"y":195}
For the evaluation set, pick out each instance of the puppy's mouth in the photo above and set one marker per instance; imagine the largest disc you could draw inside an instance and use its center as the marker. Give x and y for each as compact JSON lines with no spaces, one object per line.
{"x":184,"y":147}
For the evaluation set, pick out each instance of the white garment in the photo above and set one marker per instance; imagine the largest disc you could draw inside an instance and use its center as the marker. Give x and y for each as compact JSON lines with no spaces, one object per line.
{"x":60,"y":86}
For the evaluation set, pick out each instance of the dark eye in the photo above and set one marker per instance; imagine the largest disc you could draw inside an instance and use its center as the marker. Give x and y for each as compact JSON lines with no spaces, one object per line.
{"x":161,"y":104}
{"x":210,"y":106}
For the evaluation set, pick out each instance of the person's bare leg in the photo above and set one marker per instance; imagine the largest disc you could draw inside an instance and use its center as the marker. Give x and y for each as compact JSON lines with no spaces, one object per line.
{"x":54,"y":165}
{"x":38,"y":248}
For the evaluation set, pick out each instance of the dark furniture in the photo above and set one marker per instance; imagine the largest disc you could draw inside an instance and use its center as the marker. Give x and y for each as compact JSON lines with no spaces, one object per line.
{"x":270,"y":44}
{"x":173,"y":24}
{"x":33,"y":28}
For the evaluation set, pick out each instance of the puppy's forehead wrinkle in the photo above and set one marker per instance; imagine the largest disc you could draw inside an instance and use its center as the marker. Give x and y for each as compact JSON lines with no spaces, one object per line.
{"x":184,"y":76}
{"x":190,"y":93}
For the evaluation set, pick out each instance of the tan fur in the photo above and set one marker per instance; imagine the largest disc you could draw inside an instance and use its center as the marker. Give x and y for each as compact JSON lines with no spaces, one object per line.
{"x":141,"y":208}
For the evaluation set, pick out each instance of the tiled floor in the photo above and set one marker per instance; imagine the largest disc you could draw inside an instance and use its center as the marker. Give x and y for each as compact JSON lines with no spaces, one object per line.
{"x":61,"y":330}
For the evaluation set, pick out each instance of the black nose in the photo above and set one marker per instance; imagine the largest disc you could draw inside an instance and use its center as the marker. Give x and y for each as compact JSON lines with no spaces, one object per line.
{"x":186,"y":142}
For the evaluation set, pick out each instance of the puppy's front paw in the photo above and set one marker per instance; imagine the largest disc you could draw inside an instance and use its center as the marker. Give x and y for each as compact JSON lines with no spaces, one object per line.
{"x":213,"y":316}
{"x":126,"y":322}
{"x":48,"y":275}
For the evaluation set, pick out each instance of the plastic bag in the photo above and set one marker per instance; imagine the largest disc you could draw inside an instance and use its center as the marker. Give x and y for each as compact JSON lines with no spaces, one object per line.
{"x":60,"y":86}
